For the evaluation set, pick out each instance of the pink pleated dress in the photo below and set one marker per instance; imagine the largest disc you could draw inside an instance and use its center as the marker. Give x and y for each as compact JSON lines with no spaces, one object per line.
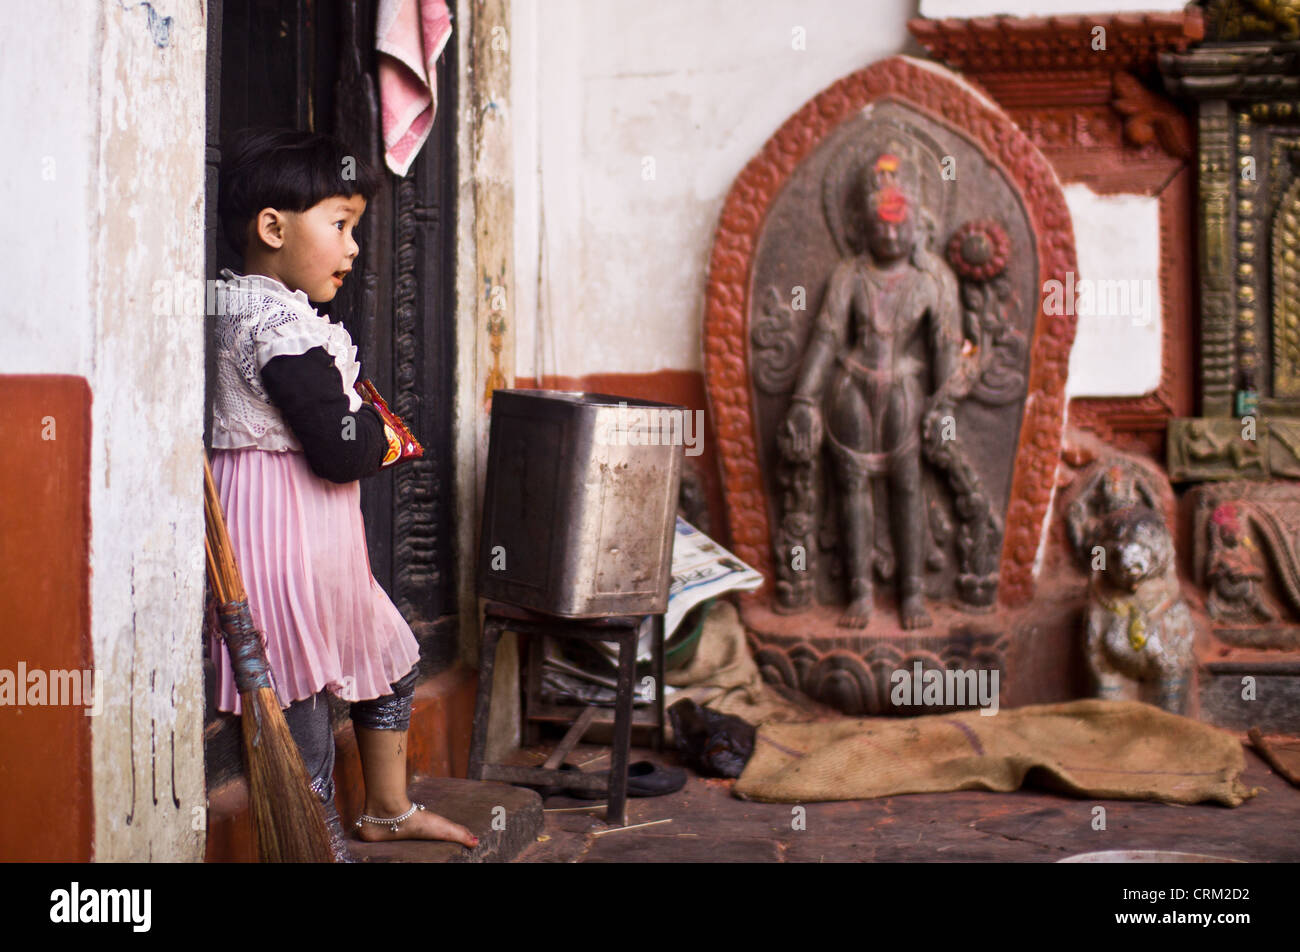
{"x":299,"y":540}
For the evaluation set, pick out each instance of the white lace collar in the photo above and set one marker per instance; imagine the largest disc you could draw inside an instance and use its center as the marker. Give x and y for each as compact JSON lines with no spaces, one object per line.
{"x":262,"y":282}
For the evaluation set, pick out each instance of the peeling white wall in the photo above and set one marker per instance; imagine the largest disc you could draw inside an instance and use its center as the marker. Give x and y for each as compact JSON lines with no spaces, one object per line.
{"x":104,"y":193}
{"x":602,"y":86}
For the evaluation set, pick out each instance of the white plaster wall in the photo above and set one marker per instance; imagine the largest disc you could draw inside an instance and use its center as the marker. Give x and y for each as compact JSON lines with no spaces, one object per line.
{"x":49,"y":120}
{"x":938,"y":9}
{"x":599,"y":86}
{"x":1118,"y":340}
{"x":88,"y":88}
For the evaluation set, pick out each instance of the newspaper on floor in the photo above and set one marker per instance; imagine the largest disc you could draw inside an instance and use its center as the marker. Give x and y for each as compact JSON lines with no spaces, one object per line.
{"x":701,"y":569}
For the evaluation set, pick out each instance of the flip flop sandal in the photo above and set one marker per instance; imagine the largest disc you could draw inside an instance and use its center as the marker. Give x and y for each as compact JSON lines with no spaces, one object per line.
{"x":644,"y":779}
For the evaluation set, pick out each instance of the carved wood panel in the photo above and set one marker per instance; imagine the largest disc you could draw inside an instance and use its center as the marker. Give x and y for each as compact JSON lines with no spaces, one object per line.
{"x":1085,"y":91}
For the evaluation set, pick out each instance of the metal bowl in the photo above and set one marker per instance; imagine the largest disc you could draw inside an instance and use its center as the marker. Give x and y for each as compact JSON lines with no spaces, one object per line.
{"x":1146,"y":856}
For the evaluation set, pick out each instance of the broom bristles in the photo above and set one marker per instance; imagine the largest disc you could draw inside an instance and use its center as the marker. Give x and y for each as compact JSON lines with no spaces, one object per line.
{"x":288,"y":818}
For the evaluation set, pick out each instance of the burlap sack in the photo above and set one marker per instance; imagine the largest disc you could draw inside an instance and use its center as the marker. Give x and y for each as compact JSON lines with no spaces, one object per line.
{"x":1115,"y":750}
{"x":723,"y":676}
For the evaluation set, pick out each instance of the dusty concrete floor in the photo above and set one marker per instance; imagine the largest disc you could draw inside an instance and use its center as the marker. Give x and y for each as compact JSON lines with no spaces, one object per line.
{"x":708,"y":824}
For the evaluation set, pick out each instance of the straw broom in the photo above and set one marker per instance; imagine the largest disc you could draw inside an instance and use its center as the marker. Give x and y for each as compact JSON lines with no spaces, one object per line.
{"x":288,"y":819}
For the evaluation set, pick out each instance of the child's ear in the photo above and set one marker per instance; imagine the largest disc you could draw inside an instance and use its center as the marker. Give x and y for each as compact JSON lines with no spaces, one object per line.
{"x":268,"y":227}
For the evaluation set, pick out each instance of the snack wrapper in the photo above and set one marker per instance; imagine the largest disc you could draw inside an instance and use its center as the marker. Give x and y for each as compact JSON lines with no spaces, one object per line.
{"x":402,"y":444}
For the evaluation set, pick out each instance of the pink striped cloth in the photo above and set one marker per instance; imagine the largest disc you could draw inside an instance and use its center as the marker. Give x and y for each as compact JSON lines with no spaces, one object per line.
{"x":300,"y":545}
{"x":410,"y":36}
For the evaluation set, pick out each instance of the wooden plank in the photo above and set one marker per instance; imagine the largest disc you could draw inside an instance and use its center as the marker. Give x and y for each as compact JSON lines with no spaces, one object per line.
{"x":571,"y":739}
{"x":1273,"y":758}
{"x":527,"y":776}
{"x":563,"y":714}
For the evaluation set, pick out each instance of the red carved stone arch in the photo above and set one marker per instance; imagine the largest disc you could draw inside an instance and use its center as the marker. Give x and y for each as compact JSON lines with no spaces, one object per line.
{"x":933,"y":90}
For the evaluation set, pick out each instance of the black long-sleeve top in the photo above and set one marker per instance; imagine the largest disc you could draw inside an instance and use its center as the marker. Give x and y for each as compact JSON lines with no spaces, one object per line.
{"x":308,"y":391}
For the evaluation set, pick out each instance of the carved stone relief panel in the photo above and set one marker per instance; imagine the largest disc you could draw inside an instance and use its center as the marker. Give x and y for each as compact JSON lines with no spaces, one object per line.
{"x":915,"y":359}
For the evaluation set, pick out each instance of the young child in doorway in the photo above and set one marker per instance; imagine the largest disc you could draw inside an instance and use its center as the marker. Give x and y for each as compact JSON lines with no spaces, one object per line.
{"x":290,"y":440}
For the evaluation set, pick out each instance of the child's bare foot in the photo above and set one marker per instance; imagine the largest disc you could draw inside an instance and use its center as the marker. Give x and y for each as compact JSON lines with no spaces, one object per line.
{"x":421,"y":825}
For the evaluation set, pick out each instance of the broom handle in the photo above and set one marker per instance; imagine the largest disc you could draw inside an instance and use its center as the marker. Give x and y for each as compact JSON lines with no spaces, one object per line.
{"x":230,"y":582}
{"x":211,"y":543}
{"x":243,"y":641}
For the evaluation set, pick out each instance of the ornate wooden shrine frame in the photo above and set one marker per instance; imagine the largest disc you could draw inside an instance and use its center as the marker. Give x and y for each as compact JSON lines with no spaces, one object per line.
{"x":947,"y":100}
{"x":1092,"y":115}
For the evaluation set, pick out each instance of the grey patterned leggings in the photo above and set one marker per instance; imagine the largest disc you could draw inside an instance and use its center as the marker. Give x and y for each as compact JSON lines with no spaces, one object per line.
{"x":309,"y":723}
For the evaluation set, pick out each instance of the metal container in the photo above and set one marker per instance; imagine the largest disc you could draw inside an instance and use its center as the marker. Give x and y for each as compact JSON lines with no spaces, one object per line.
{"x":581,"y":502}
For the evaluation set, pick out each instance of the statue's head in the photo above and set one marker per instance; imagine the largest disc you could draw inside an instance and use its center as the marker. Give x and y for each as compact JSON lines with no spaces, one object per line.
{"x":890,"y":208}
{"x":1137,"y":544}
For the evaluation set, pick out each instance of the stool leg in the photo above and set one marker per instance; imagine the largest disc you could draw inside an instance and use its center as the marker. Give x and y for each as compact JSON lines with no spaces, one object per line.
{"x":487,"y":657}
{"x":533,"y":687}
{"x":617,"y":810}
{"x":660,"y":683}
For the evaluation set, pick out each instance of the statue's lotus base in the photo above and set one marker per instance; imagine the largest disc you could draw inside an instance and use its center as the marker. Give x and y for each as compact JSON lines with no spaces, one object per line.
{"x":873,"y":670}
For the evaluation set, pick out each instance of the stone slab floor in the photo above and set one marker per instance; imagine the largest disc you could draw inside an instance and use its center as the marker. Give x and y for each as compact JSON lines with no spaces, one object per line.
{"x":709,"y":825}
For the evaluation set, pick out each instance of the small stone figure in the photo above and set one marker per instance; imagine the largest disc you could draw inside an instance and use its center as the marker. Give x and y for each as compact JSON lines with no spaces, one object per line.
{"x":1114,"y":485}
{"x":1138,"y":626}
{"x":1233,"y":572}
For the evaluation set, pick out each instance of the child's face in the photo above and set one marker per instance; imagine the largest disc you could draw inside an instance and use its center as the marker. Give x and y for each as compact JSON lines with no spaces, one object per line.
{"x":318,"y":249}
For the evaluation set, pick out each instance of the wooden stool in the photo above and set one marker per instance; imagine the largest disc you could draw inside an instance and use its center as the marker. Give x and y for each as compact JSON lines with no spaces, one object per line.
{"x":500,"y":618}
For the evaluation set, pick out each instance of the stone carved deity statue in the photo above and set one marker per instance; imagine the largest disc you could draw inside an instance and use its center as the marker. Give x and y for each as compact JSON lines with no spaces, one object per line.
{"x":883,"y":354}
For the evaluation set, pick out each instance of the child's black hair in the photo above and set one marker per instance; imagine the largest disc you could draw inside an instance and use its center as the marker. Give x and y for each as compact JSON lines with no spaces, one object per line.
{"x":286,"y":169}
